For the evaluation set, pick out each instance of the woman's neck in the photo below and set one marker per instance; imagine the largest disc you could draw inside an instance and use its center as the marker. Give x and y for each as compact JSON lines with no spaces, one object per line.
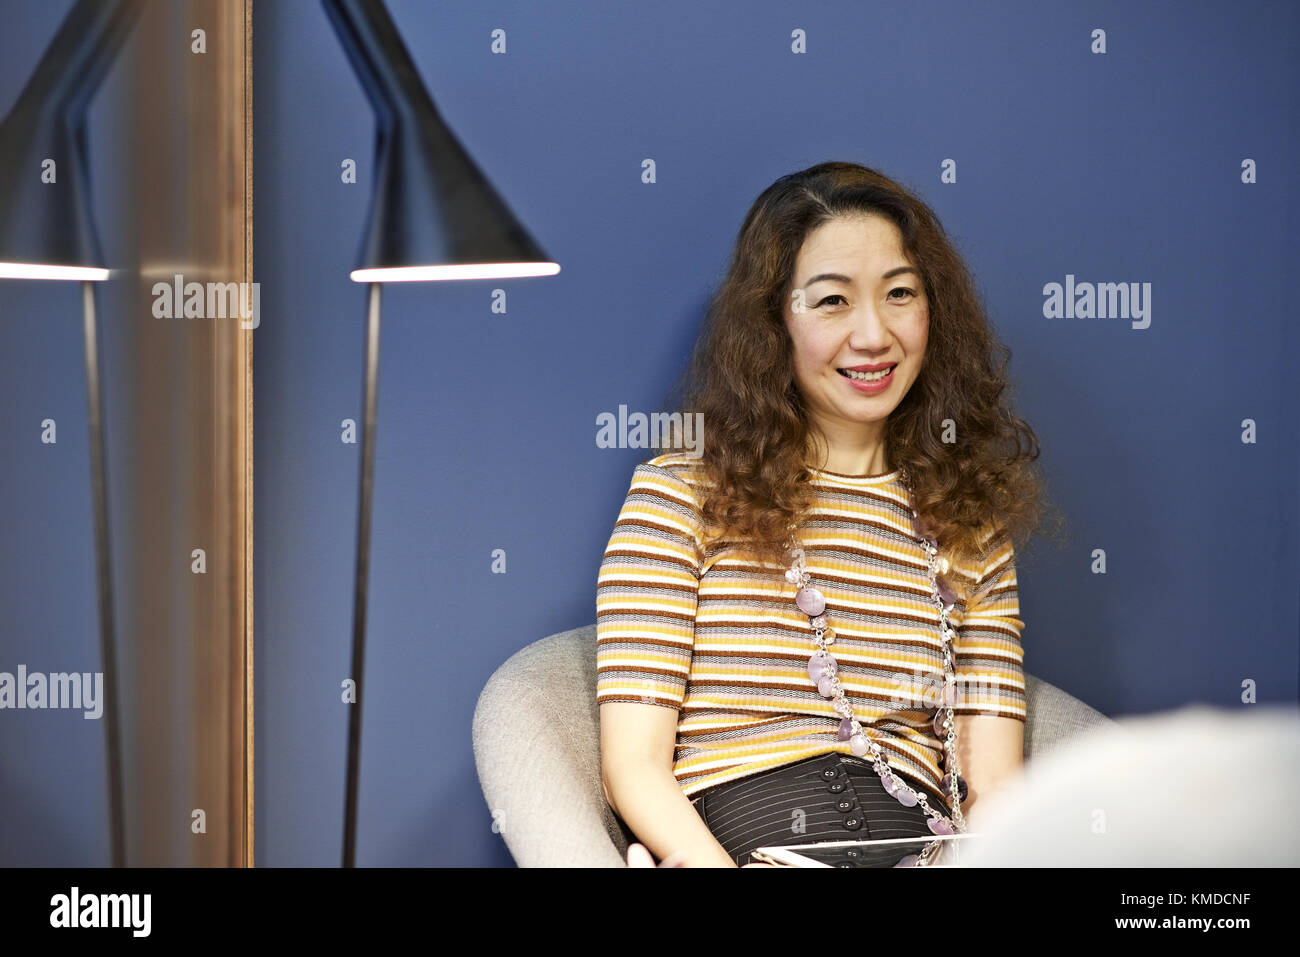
{"x":851,"y":461}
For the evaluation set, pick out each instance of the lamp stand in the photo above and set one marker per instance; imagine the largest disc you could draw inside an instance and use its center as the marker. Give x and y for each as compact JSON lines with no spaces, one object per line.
{"x":363,"y":569}
{"x":103,"y":573}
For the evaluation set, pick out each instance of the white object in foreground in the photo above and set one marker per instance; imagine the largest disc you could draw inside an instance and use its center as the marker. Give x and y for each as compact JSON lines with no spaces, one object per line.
{"x":1195,"y":787}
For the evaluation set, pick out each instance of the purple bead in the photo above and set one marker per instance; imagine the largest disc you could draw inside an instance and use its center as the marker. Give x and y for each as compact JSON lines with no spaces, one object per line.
{"x":945,"y":590}
{"x":820,"y":665}
{"x":905,"y":796}
{"x":825,"y":687}
{"x":939,"y":731}
{"x":939,"y":826}
{"x":908,"y":861}
{"x":890,"y":784}
{"x":858,"y":744}
{"x":946,"y":785}
{"x":846,"y":729}
{"x":810,"y":601}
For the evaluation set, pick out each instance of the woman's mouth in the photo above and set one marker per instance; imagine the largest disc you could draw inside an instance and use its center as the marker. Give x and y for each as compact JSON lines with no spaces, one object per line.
{"x":869,"y":382}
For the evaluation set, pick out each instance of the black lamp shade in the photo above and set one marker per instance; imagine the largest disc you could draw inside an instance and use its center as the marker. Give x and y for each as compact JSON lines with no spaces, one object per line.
{"x":431,"y":205}
{"x":50,"y":224}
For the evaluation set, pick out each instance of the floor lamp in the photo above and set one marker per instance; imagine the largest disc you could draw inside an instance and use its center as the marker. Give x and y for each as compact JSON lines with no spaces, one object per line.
{"x":433,"y":216}
{"x":47,"y":232}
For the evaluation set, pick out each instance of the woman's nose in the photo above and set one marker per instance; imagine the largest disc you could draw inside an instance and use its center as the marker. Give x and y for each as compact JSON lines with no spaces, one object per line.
{"x":869,"y":331}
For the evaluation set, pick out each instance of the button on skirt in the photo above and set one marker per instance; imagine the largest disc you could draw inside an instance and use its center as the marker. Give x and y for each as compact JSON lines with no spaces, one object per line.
{"x":830,"y":797}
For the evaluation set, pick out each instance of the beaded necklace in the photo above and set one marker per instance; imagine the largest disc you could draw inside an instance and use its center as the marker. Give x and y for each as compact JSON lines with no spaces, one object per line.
{"x":824,"y":672}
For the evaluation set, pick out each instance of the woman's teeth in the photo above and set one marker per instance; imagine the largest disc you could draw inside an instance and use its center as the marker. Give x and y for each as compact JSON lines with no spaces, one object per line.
{"x":866,"y":376}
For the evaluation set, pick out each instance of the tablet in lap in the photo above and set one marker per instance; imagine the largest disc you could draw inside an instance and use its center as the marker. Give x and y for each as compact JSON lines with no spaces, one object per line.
{"x":885,"y":853}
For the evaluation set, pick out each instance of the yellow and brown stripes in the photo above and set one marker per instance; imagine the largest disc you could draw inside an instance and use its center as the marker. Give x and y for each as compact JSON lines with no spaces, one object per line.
{"x":719,"y":638}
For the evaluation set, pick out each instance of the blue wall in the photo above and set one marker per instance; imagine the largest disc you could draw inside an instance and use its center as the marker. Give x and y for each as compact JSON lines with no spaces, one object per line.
{"x":1122,"y":166}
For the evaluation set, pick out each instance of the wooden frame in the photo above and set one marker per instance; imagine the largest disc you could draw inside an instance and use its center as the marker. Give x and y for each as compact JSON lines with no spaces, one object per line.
{"x":187,"y":668}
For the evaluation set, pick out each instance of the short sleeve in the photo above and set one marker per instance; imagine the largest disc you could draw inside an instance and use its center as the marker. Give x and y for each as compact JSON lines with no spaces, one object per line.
{"x":646,"y":592}
{"x":989,"y":658}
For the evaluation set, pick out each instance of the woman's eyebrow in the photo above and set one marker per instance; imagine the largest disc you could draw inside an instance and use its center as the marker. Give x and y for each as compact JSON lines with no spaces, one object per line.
{"x":839,"y":277}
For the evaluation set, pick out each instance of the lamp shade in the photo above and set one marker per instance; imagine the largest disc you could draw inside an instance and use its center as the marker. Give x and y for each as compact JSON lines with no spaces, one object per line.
{"x":433,"y":213}
{"x":46,"y":227}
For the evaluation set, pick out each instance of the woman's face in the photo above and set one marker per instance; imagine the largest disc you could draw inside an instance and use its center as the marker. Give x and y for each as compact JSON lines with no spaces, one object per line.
{"x":857,"y":301}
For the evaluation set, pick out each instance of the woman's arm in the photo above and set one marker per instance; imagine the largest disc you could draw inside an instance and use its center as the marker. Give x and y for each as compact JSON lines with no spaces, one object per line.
{"x":636,"y":768}
{"x":991,"y":741}
{"x":990,"y":753}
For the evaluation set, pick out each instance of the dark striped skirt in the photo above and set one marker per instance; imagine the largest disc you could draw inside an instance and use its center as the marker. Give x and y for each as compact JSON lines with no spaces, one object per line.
{"x":830,"y":797}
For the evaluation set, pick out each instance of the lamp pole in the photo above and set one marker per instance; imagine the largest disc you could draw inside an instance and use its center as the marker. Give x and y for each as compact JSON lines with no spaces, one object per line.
{"x":104,"y":577}
{"x":370,"y":396}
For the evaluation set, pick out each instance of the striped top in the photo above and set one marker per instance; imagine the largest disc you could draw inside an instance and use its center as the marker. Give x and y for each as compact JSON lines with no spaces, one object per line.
{"x":719,"y":638}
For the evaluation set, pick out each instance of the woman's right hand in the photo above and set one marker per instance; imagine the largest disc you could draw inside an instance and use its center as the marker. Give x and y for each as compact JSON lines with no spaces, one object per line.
{"x":638,"y":855}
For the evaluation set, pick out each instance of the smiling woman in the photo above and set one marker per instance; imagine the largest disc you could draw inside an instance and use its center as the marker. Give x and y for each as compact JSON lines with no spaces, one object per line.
{"x":856,"y":439}
{"x":838,"y":267}
{"x":858,"y":329}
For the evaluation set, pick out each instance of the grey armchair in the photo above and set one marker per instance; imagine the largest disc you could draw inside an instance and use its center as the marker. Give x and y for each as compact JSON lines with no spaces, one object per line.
{"x":537,"y":749}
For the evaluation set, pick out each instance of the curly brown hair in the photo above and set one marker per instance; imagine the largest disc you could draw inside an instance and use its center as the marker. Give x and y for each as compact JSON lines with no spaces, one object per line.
{"x":969,"y":495}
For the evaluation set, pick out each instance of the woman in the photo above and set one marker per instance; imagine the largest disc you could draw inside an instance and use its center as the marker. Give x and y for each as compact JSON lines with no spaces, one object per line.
{"x":810,"y":631}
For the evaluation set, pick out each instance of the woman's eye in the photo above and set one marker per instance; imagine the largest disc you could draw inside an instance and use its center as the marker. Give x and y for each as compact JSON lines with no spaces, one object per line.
{"x":902,"y":289}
